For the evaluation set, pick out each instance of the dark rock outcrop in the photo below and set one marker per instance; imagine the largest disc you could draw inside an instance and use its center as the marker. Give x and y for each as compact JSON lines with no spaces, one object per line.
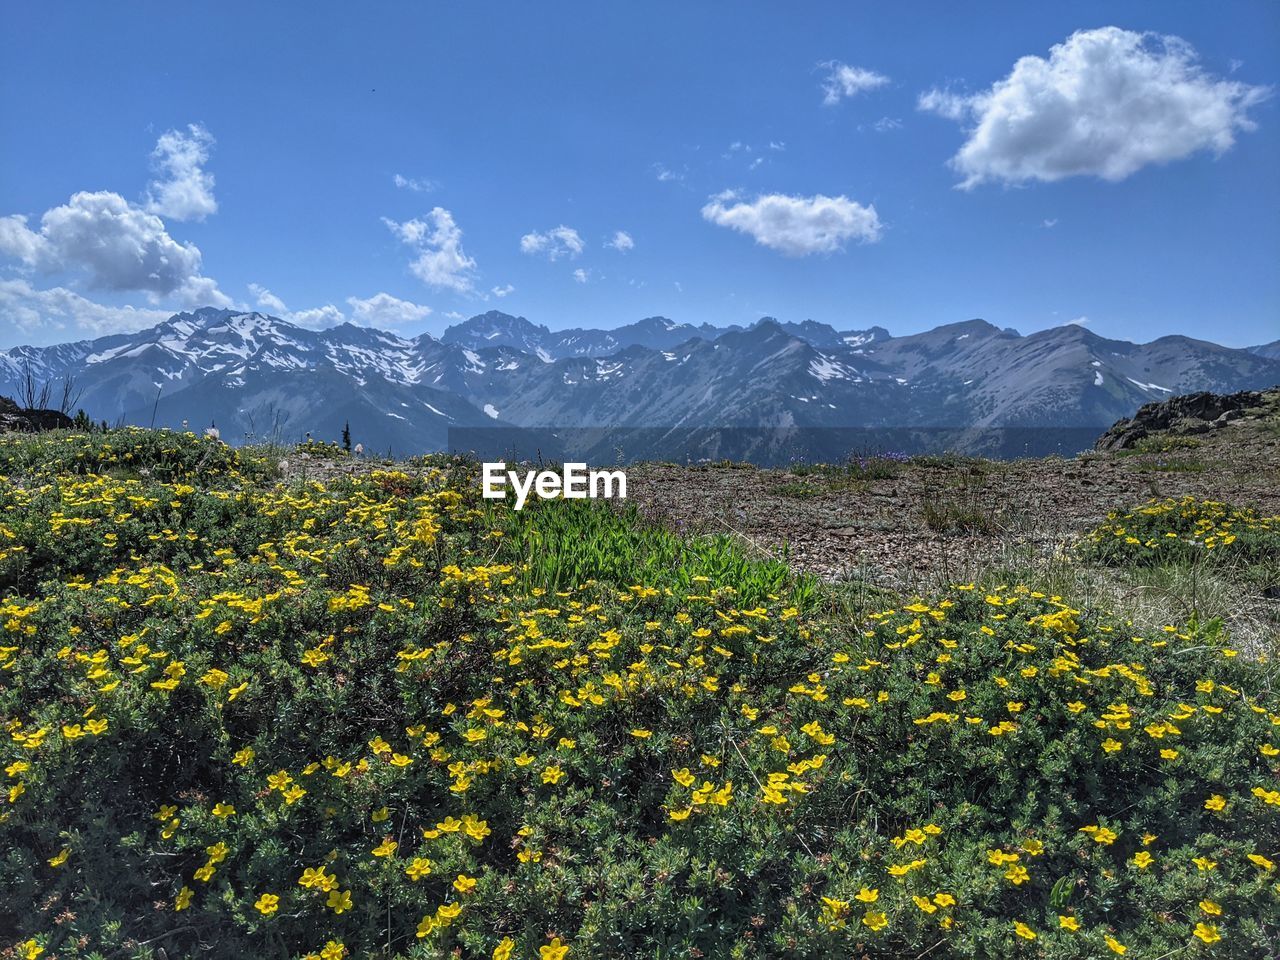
{"x":14,"y":419}
{"x":1188,"y":414}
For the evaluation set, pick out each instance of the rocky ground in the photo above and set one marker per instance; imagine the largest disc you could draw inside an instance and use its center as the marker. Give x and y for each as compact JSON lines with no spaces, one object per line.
{"x":947,"y":518}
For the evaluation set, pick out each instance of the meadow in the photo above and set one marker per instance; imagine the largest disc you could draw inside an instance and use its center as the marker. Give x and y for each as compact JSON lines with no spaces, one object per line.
{"x":373,"y":715}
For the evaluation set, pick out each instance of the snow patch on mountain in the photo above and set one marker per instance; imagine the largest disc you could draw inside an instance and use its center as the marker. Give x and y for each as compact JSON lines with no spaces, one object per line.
{"x":825,"y":368}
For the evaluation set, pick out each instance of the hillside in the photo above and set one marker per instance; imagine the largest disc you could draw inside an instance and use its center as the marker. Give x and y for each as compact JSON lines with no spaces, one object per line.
{"x":907,"y":522}
{"x":352,"y":710}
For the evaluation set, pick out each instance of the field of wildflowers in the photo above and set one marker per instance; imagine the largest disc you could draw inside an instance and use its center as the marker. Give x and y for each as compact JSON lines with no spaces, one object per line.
{"x":377,"y":717}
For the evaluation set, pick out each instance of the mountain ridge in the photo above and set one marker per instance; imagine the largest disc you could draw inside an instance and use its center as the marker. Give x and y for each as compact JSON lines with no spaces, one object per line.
{"x":500,"y":370}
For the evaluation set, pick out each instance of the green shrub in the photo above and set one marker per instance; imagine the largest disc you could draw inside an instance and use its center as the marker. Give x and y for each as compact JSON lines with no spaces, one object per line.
{"x":377,"y":718}
{"x":126,"y":451}
{"x":1173,"y":531}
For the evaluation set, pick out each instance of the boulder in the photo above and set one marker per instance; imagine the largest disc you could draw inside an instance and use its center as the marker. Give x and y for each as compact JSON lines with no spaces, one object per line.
{"x":1190,"y":413}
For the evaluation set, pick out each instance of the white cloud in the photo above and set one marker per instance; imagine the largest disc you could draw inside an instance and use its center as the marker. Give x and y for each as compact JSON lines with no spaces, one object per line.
{"x":944,"y":103}
{"x":267,"y":300}
{"x":796,"y":226}
{"x":317,"y":318}
{"x":1049,"y":223}
{"x":777,"y":145}
{"x":582,"y":276}
{"x":29,"y":309}
{"x":885,"y":124}
{"x":665,"y":174}
{"x":21,"y":243}
{"x":441,"y":262}
{"x":1077,"y":322}
{"x":410,"y":183}
{"x":504,"y":291}
{"x":621,"y":241}
{"x":384,"y":310}
{"x":557,"y":242}
{"x":844,"y":81}
{"x":1105,"y":103}
{"x":121,"y":246}
{"x":185,"y":189}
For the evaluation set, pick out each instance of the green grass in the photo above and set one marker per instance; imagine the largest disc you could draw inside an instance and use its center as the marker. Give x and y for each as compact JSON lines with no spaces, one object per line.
{"x":1161,"y":443}
{"x":800,"y":491}
{"x":958,"y":516}
{"x":562,"y":543}
{"x":856,"y":469}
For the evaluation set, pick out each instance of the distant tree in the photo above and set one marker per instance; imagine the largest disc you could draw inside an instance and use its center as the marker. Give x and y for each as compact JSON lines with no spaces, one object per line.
{"x":36,"y":395}
{"x":82,"y":422}
{"x":346,"y":436}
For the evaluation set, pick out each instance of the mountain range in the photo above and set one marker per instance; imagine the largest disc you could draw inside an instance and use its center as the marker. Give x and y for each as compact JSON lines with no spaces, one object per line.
{"x":805,"y":389}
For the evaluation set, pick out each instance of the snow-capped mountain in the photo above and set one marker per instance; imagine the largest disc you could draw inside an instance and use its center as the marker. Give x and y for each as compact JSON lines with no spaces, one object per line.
{"x":257,"y":376}
{"x":494,"y":329}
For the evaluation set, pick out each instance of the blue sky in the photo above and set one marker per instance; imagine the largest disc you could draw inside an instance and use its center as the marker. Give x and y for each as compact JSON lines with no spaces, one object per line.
{"x":854,"y":164}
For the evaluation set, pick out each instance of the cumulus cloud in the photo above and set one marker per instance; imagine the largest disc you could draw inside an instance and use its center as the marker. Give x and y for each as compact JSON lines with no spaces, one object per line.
{"x":843,"y":81}
{"x":1105,"y":103}
{"x":582,"y":276}
{"x":317,"y":318}
{"x":410,"y":183}
{"x":267,"y":300}
{"x":621,"y":241}
{"x":21,"y":243}
{"x":557,"y":242}
{"x":119,"y":245}
{"x":441,"y":262}
{"x":796,"y":226}
{"x":30,"y":309}
{"x":503,"y":291}
{"x":384,"y":310}
{"x":184,"y":189}
{"x":665,"y":174}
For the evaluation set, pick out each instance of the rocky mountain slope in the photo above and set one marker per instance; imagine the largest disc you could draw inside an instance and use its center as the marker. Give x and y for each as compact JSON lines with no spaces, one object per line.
{"x":788,"y":389}
{"x":1271,"y":350}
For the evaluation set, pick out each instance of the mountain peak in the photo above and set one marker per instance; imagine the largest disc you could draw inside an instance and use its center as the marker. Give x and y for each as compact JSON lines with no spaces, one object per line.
{"x":975,"y":327}
{"x":1068,"y":331}
{"x":488,"y":323}
{"x":201,"y":317}
{"x":658,"y":323}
